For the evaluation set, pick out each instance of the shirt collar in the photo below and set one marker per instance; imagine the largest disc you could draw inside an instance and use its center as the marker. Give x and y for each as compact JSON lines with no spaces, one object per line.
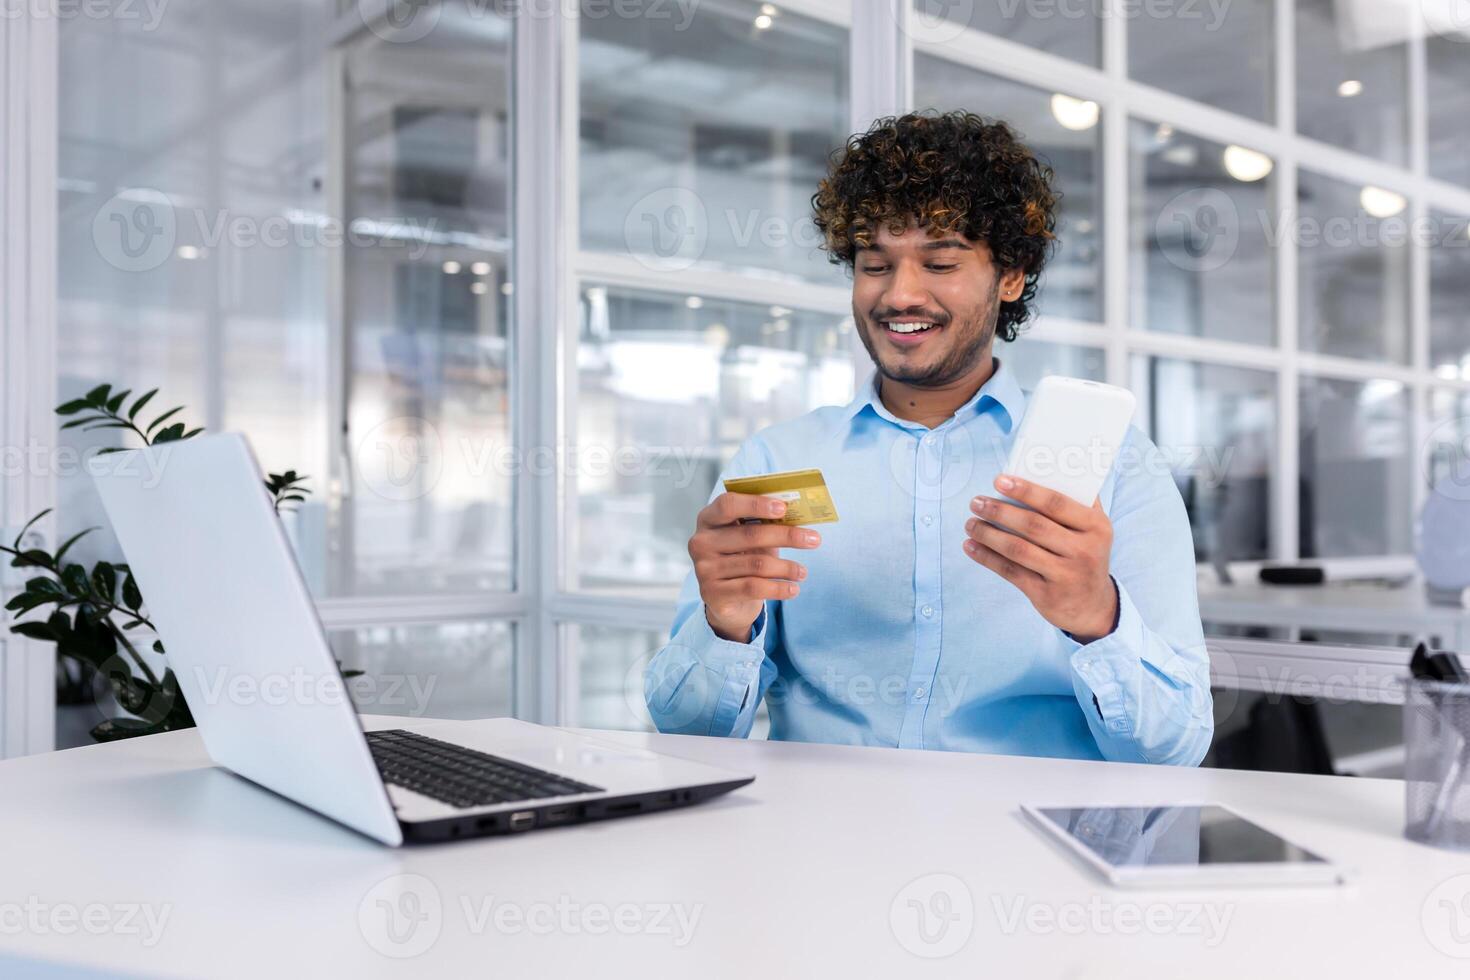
{"x":1001,"y":390}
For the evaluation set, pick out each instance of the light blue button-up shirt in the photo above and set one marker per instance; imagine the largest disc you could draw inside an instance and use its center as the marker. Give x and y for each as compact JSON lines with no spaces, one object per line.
{"x":899,"y":638}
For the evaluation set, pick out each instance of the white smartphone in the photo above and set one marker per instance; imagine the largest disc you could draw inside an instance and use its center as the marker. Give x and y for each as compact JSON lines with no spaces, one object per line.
{"x":1071,"y":435}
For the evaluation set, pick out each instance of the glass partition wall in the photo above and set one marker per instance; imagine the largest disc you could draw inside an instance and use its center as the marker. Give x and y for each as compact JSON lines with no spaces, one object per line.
{"x":1263,"y":234}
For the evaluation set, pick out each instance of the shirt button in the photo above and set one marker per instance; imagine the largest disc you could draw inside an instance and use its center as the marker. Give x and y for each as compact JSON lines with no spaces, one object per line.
{"x":927,"y":611}
{"x":928,"y":519}
{"x":918,"y":693}
{"x":929,"y":439}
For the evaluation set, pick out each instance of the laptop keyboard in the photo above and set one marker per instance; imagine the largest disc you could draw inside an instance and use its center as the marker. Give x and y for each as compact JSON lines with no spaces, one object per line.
{"x":460,"y":776}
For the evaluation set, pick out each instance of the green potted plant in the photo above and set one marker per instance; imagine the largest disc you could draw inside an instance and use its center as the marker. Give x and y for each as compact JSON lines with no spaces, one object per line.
{"x":97,"y":617}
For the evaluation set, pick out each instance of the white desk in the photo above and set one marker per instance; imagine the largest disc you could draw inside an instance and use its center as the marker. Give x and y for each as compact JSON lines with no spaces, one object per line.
{"x":796,"y":875}
{"x":1334,"y":606}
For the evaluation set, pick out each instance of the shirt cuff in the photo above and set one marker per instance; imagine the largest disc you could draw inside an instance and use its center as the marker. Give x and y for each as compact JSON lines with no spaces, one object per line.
{"x":741,"y":665}
{"x":1106,"y":667}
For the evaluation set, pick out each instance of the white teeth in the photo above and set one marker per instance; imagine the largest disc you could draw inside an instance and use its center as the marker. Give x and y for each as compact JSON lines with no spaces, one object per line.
{"x":908,"y":327}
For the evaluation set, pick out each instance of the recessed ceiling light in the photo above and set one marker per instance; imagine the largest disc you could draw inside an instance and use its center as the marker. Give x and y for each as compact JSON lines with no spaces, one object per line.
{"x":451,"y":268}
{"x":1381,"y":203}
{"x":769,"y":9}
{"x":1246,"y":165}
{"x":1350,"y":88}
{"x":1074,"y":114}
{"x":763,"y":22}
{"x":479,"y":288}
{"x":693,"y":302}
{"x":188,"y":253}
{"x":481,"y":268}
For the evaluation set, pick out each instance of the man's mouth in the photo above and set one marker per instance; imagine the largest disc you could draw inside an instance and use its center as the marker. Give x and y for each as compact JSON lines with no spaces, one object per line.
{"x":908,"y":330}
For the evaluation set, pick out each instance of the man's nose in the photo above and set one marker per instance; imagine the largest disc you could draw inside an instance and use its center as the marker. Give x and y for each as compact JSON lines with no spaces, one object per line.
{"x":906,"y":290}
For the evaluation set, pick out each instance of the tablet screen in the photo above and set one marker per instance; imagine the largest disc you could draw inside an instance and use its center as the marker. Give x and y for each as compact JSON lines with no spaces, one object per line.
{"x":1173,"y":835}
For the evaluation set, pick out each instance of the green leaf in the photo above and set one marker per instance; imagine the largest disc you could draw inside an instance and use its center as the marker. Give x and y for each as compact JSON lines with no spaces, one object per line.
{"x":26,"y":601}
{"x":114,"y":729}
{"x":157,"y":646}
{"x":28,"y":526}
{"x":76,"y":422}
{"x":42,"y":584}
{"x":131,"y":597}
{"x":72,"y":407}
{"x":74,"y":577}
{"x":138,"y":405}
{"x":98,"y":395}
{"x":192,"y":433}
{"x":116,"y":401}
{"x":112,"y":449}
{"x":172,"y":433}
{"x":104,"y":577}
{"x":35,"y":630}
{"x":109,"y":425}
{"x":166,"y":415}
{"x":33,"y":558}
{"x":66,"y":545}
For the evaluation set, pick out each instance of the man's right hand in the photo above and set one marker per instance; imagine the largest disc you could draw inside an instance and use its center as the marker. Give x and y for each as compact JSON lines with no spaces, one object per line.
{"x":737,"y":564}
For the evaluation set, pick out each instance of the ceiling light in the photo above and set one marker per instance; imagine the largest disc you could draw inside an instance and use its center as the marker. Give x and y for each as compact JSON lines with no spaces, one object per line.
{"x":1246,"y":165}
{"x":479,"y":288}
{"x":188,"y":253}
{"x":1381,"y":203}
{"x":481,"y":268}
{"x":693,"y":302}
{"x":451,"y":268}
{"x":763,"y":22}
{"x":1073,"y":114}
{"x":1350,"y":88}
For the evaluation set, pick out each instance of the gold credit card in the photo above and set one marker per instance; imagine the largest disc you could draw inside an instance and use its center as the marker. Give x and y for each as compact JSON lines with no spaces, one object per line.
{"x":804,"y":491}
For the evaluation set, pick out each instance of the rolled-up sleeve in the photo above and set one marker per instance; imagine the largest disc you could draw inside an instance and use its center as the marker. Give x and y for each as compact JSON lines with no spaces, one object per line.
{"x":1145,"y":687}
{"x":700,"y":683}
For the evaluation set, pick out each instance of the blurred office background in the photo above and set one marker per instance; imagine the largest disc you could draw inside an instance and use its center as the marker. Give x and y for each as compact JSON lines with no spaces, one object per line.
{"x":503,"y":484}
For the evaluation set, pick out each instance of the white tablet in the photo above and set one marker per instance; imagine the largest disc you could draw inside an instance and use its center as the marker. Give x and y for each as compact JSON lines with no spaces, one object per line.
{"x":1181,"y":846}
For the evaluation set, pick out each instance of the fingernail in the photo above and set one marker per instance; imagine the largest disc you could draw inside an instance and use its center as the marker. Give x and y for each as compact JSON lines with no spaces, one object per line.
{"x":979,"y":504}
{"x":1005,"y":483}
{"x":792,"y":589}
{"x":811,"y":537}
{"x":776,"y":508}
{"x":801,"y":574}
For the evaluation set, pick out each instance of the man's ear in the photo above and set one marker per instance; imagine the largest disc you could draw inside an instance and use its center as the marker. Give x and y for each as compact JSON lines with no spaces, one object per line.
{"x":1012,"y":282}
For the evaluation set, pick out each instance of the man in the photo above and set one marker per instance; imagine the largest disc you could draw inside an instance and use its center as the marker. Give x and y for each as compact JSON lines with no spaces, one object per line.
{"x":914,"y":622}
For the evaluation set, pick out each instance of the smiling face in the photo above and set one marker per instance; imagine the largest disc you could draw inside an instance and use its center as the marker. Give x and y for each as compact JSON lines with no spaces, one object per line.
{"x":926,"y":307}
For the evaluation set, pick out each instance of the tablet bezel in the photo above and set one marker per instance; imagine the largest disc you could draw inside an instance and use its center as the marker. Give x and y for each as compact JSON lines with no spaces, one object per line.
{"x":1276,"y":873}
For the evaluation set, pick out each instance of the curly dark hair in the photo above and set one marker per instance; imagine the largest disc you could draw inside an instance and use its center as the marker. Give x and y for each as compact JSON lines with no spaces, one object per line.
{"x":949,"y":172}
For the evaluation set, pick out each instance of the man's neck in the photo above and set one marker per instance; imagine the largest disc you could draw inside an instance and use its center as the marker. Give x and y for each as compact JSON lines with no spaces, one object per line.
{"x":931,"y":407}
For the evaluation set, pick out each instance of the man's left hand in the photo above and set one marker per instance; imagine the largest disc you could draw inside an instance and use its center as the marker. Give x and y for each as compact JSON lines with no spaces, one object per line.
{"x":1060,"y":563}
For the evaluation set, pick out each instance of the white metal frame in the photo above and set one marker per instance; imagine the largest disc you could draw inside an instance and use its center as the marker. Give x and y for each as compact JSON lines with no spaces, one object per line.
{"x":1122,"y":99}
{"x":28,"y":60}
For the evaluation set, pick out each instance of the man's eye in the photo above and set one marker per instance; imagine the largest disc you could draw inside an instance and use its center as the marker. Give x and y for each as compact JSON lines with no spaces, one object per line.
{"x":937,"y":267}
{"x":875,"y":269}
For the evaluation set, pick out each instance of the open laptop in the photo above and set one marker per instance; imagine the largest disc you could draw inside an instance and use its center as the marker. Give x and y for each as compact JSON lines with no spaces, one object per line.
{"x":242,"y":635}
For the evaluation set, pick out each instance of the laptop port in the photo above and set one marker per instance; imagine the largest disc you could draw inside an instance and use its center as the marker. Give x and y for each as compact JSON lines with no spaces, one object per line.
{"x":557,"y":814}
{"x":524,"y":820}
